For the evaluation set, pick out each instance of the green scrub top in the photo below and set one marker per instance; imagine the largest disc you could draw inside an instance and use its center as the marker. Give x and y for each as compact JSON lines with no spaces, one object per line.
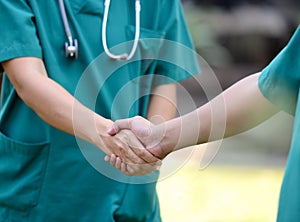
{"x":44,"y":174}
{"x":280,"y":83}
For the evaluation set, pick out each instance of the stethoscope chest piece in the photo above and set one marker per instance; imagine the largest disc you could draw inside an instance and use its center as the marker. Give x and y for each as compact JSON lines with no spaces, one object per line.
{"x":71,"y":49}
{"x":71,"y":46}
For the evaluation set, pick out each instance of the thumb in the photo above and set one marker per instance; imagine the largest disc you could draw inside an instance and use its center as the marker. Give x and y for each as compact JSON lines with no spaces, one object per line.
{"x":118,"y":125}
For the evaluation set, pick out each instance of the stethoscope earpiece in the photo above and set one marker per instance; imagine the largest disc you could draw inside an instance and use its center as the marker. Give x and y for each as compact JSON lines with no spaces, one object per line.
{"x":71,"y":49}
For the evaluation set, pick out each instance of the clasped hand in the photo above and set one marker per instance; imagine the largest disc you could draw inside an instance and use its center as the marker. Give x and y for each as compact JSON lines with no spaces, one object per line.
{"x":144,"y":152}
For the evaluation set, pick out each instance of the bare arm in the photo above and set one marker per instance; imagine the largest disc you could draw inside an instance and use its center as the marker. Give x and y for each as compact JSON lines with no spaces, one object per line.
{"x":237,"y":109}
{"x":244,"y":106}
{"x":162,"y":106}
{"x":61,"y":110}
{"x":48,"y":99}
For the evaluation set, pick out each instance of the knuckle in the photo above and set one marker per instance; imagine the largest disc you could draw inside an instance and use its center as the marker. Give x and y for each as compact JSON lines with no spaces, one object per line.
{"x":120,"y":147}
{"x":140,"y":161}
{"x":137,"y":118}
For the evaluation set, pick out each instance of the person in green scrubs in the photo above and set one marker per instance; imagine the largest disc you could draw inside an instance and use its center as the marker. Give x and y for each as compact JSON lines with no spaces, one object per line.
{"x":55,"y":110}
{"x":246,"y":104}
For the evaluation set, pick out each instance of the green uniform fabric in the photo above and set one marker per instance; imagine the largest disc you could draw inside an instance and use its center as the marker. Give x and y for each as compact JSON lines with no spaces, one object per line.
{"x":44,"y":175}
{"x":280,"y":83}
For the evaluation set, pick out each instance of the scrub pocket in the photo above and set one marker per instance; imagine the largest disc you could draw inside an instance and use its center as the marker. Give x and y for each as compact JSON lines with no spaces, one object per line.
{"x":147,"y":52}
{"x":91,"y":7}
{"x":22,"y":171}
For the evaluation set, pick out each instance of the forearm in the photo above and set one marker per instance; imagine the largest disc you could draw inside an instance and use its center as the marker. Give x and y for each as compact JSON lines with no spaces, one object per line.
{"x":238,"y":109}
{"x":162,"y":105}
{"x":245,"y":108}
{"x":64,"y":112}
{"x":52,"y":102}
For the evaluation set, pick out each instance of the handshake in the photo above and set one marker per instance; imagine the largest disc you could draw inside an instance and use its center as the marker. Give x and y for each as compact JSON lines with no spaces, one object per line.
{"x":139,"y":145}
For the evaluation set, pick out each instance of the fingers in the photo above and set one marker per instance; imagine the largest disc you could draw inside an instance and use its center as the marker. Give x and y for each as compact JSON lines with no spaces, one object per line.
{"x":138,"y":148}
{"x":132,"y":169}
{"x":117,"y":163}
{"x":138,"y":131}
{"x":139,"y":125}
{"x":118,"y":125}
{"x":119,"y":146}
{"x":142,"y":169}
{"x":128,"y":147}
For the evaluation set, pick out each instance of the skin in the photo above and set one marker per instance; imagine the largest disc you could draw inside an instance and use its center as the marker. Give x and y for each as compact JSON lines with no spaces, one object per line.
{"x":162,"y":107}
{"x":245,"y":107}
{"x":55,"y":106}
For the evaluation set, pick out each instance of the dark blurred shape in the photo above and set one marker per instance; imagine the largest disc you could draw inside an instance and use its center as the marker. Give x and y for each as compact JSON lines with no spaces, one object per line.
{"x":225,"y":4}
{"x":228,"y":4}
{"x":240,"y":33}
{"x":238,"y":37}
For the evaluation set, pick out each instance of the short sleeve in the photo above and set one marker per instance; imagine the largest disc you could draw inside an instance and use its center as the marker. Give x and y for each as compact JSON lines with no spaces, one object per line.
{"x":18,"y":31}
{"x":279,"y":81}
{"x":178,"y":59}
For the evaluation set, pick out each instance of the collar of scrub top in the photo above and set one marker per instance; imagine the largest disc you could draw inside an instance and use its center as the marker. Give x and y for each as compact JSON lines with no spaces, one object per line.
{"x":71,"y":47}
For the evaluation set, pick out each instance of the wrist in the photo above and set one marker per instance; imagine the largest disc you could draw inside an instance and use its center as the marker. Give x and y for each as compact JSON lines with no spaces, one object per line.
{"x":168,"y":133}
{"x":179,"y":133}
{"x":172,"y":134}
{"x":101,"y":126}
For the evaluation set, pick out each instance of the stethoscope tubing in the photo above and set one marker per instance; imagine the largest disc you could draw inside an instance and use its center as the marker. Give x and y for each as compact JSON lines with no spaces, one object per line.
{"x":123,"y":56}
{"x":72,"y":45}
{"x":65,"y":20}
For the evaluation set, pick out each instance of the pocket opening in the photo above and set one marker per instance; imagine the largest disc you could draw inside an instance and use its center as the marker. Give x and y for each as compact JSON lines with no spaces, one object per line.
{"x":22,"y":172}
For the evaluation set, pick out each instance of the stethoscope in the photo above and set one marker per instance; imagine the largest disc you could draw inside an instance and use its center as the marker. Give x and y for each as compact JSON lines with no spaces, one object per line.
{"x":71,"y":46}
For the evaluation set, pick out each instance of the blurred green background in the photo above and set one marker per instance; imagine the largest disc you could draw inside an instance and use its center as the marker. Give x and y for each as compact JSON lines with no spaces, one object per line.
{"x":237,"y":179}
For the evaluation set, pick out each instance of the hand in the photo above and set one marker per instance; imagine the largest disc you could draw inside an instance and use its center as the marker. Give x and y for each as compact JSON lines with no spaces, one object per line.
{"x":149,"y":134}
{"x":130,"y":157}
{"x":132,"y":169}
{"x":128,"y":147}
